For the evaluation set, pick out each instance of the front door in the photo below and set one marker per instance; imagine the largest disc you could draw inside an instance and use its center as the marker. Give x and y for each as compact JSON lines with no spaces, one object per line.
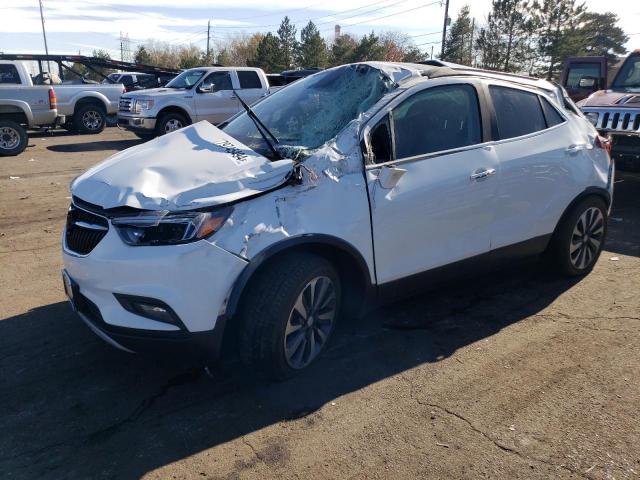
{"x":431,"y":181}
{"x":215,"y":100}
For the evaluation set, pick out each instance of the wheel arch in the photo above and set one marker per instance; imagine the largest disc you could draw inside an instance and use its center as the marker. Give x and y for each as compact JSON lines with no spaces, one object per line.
{"x":600,"y":192}
{"x":175,"y":109}
{"x":90,"y":100}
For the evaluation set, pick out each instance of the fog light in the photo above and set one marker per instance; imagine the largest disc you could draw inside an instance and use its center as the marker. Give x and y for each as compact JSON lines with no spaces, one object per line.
{"x":149,"y":308}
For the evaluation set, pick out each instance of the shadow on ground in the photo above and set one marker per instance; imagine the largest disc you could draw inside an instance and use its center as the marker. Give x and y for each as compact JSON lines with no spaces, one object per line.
{"x":73,"y":407}
{"x":94,"y":146}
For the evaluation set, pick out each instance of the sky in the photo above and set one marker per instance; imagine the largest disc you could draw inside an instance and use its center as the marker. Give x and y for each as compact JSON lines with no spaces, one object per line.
{"x":84,"y":25}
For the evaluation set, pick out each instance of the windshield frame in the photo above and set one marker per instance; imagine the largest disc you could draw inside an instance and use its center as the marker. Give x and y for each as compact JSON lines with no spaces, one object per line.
{"x":299,"y":150}
{"x":186,"y":73}
{"x":617,"y":81}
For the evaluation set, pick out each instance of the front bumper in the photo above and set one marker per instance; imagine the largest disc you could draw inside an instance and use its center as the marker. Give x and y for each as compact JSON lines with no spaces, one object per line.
{"x":193,"y":279}
{"x":136,"y":123}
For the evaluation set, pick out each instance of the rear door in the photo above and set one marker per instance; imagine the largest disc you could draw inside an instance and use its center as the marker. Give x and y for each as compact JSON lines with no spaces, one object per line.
{"x":431,"y":180}
{"x":251,"y":88}
{"x":220,"y":103}
{"x":535,"y":147}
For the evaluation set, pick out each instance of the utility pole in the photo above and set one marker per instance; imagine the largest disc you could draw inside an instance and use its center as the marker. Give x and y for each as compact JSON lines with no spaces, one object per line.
{"x":444,"y":27}
{"x":208,"y":37}
{"x":44,"y":35}
{"x":473,"y":29}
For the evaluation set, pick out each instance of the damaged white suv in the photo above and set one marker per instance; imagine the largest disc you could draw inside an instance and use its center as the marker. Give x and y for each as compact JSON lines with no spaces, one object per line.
{"x":360,"y":181}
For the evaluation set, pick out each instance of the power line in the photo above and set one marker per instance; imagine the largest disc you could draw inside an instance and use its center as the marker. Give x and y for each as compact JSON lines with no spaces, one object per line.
{"x":391,"y":15}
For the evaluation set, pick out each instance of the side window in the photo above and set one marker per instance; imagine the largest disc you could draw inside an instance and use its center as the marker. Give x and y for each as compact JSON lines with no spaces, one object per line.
{"x":437,"y":119}
{"x":9,"y":74}
{"x":126,"y":80}
{"x":551,"y":115}
{"x":218,"y":81}
{"x":518,"y":112}
{"x":249,"y":79}
{"x":381,"y":141}
{"x":588,"y":71}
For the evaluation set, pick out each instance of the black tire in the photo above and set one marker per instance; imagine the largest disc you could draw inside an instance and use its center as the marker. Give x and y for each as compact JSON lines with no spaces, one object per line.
{"x":69,"y":126}
{"x":13,"y":138}
{"x":89,"y":118}
{"x":575,"y":254}
{"x":268,"y":307}
{"x":168,"y":122}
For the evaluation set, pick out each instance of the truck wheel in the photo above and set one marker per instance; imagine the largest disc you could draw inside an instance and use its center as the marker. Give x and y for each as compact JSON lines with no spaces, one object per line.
{"x":288,"y":314}
{"x":13,"y":138}
{"x":578,"y":240}
{"x":89,"y":118}
{"x":170,"y":122}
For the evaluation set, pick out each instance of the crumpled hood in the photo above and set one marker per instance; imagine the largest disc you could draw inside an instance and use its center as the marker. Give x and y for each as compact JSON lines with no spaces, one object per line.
{"x":611,"y":98}
{"x":196,"y":166}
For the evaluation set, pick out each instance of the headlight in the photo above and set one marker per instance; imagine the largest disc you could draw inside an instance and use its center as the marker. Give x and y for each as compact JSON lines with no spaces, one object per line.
{"x":165,"y":228}
{"x":592,"y":117}
{"x":142,"y":104}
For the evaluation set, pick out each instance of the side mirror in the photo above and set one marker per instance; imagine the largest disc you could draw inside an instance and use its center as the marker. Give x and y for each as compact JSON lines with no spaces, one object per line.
{"x":588,"y":82}
{"x":205,"y":89}
{"x":390,"y":175}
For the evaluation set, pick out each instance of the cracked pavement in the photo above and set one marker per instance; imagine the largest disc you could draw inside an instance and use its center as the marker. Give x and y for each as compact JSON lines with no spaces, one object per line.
{"x":515,"y":374}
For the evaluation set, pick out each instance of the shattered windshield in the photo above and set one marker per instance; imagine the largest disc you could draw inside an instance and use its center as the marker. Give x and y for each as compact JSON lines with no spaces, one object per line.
{"x":186,"y":79}
{"x":629,"y":75}
{"x":311,"y":111}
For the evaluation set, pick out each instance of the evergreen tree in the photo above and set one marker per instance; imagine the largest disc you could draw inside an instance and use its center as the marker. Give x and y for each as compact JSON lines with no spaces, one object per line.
{"x":288,"y":47}
{"x":458,"y":43}
{"x":142,"y":56}
{"x":313,"y":49}
{"x":557,"y":21}
{"x":505,"y":42}
{"x":343,"y":49}
{"x":369,"y":48}
{"x":599,"y":34}
{"x":268,"y":55}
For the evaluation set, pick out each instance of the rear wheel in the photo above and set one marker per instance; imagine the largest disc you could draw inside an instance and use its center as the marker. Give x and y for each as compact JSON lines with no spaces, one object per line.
{"x":579,"y":240}
{"x":89,"y":118}
{"x":170,"y":122}
{"x":13,"y":138}
{"x":288,"y":315}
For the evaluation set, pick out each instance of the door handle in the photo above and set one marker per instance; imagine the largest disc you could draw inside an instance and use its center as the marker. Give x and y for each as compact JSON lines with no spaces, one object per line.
{"x":478,"y":174}
{"x":233,"y":97}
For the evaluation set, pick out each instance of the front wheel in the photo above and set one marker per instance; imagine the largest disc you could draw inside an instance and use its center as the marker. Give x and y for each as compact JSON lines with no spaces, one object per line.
{"x":170,"y":122}
{"x":288,"y":315}
{"x":579,"y":240}
{"x":13,"y":138}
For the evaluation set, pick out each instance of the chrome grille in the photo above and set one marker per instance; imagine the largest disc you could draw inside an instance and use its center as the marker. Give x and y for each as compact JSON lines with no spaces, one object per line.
{"x":616,"y":120}
{"x":125,"y":104}
{"x":84,"y":230}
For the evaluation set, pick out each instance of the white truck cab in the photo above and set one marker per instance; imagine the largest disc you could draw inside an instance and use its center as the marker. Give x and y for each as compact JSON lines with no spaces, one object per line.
{"x":203,"y":93}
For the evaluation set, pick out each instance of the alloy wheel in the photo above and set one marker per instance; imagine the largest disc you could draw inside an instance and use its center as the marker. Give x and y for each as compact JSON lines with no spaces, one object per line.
{"x":310,"y":322}
{"x":92,"y":120}
{"x":9,"y":138}
{"x":586,"y":238}
{"x":172,"y":125}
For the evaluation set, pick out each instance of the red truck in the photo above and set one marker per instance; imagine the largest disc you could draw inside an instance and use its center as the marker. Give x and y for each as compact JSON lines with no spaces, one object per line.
{"x":615,"y":111}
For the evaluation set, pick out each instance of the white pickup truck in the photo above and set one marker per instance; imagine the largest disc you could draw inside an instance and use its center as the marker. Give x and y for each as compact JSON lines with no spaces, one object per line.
{"x":203,"y":93}
{"x":84,"y":106}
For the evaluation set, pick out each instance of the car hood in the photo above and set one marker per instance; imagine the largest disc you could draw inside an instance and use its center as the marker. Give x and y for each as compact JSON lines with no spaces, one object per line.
{"x":612,"y":98}
{"x":197,"y":166}
{"x":158,"y":92}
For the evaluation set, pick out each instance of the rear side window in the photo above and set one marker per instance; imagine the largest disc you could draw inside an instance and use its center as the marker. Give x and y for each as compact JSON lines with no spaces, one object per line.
{"x":437,"y":119}
{"x":249,"y":79}
{"x":551,"y":115}
{"x":577,"y":71}
{"x":9,"y":74}
{"x":518,"y":112}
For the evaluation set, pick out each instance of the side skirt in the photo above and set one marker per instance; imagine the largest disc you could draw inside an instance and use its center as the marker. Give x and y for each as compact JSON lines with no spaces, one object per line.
{"x":473,"y":266}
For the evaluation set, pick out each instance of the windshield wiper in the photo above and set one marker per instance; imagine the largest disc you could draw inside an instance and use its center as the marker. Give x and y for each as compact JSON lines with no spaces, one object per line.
{"x":261,"y":128}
